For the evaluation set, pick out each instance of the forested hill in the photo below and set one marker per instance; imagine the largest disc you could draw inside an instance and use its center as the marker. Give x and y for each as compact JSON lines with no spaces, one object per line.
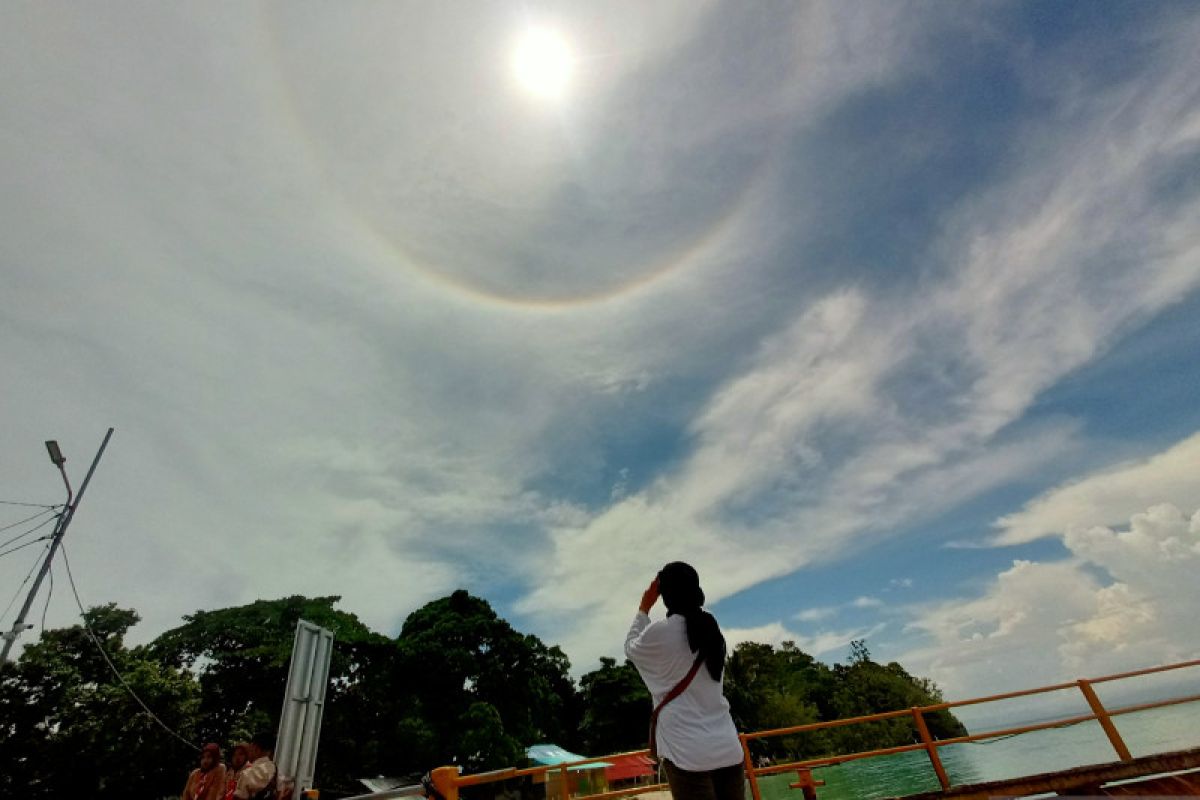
{"x":457,"y":685}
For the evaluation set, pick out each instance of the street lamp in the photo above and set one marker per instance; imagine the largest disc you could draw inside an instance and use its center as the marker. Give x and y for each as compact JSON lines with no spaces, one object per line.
{"x":64,"y":519}
{"x":56,"y":455}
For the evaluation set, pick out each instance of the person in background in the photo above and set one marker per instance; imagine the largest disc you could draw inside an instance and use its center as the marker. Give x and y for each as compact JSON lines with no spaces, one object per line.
{"x":259,"y":779}
{"x":237,"y":763}
{"x":681,"y":660}
{"x":207,"y":782}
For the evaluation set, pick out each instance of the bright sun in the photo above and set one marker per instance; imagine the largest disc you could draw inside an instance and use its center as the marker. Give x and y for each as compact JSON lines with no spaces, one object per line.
{"x":542,"y":63}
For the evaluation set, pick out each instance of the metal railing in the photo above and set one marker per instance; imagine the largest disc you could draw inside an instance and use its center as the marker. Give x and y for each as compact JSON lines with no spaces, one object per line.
{"x":931,"y":746}
{"x":448,"y":781}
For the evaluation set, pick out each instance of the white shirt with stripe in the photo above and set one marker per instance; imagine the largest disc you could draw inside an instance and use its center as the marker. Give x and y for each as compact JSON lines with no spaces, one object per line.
{"x":695,"y":730}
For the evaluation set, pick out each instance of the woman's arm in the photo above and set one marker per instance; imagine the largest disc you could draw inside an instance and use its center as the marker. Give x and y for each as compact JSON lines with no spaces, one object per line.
{"x":637,"y":648}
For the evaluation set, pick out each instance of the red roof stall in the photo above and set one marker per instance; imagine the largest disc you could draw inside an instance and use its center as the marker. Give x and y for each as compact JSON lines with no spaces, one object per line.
{"x":624,"y":768}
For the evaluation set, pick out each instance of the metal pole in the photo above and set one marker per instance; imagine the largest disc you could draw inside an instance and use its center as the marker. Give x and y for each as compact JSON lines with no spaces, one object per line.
{"x":64,"y":519}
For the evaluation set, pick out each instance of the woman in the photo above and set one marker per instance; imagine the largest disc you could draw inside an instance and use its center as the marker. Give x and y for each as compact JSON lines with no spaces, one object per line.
{"x":237,"y":763}
{"x":695,"y":735}
{"x":207,"y":782}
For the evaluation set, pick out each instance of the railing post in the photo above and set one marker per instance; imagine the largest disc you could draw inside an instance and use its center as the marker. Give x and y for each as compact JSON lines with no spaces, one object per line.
{"x":931,"y":748}
{"x":445,"y":780}
{"x":565,"y":790}
{"x":750,"y":773}
{"x":1104,"y":719}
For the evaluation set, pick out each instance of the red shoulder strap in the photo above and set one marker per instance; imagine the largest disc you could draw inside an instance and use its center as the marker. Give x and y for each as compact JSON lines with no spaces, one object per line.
{"x":679,"y":687}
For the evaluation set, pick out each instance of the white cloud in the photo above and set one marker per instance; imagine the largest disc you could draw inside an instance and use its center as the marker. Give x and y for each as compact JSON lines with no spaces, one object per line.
{"x":317,"y":298}
{"x":828,"y":643}
{"x":873,"y":412}
{"x":1172,"y":476}
{"x":1044,"y":623}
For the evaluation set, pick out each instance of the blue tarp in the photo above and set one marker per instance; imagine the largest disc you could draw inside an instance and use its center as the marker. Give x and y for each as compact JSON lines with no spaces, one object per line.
{"x":548,"y":755}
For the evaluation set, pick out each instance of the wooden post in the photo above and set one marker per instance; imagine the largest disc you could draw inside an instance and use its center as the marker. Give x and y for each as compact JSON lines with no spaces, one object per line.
{"x":931,"y":748}
{"x":565,"y":790}
{"x":1104,"y":719}
{"x":806,"y":784}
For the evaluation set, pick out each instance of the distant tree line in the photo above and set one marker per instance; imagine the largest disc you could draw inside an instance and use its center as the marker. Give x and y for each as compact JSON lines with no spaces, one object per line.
{"x":458,"y":685}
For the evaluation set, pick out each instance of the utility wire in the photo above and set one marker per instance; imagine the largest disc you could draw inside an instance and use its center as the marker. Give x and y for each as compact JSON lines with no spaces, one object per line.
{"x":49,"y":594}
{"x":23,"y":546}
{"x":107,"y":660}
{"x":27,"y":519}
{"x":17,"y":593}
{"x":1057,"y":727}
{"x":28,"y":505}
{"x":22,"y":535}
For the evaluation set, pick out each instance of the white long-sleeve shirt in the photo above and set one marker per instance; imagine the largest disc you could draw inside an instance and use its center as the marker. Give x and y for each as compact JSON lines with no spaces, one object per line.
{"x":695,"y":730}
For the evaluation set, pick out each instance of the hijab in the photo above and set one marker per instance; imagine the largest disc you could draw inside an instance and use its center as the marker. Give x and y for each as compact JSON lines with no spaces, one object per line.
{"x":679,"y":586}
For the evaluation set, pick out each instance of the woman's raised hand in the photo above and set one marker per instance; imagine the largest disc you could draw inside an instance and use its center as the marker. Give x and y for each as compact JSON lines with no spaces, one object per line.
{"x":649,"y":597}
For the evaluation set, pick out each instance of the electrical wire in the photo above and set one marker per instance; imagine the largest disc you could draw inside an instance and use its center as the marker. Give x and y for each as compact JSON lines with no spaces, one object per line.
{"x":107,"y":660}
{"x":17,"y":593}
{"x":49,"y":594}
{"x":28,"y":505}
{"x":27,"y":519}
{"x":23,"y":534}
{"x":23,"y":546}
{"x":1060,"y":726}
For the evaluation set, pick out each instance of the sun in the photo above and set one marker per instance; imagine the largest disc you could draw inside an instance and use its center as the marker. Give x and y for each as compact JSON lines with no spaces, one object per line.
{"x":542,"y":63}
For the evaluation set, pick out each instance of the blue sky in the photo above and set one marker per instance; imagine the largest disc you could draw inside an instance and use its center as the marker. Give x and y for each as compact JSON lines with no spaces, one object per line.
{"x":883,"y":315}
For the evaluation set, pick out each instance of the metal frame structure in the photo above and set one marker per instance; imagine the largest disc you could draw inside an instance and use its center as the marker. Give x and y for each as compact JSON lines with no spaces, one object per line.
{"x":304,"y":705}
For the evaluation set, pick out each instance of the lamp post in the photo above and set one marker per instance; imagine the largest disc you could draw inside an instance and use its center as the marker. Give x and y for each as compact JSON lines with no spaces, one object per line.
{"x":60,"y":529}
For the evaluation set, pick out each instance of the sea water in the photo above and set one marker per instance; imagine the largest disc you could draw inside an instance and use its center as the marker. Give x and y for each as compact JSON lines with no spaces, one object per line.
{"x":1145,"y":733}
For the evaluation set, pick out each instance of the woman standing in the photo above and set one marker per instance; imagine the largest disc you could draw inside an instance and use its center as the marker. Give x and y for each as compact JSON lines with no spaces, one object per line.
{"x":207,"y":782}
{"x":237,"y":763}
{"x":681,"y":660}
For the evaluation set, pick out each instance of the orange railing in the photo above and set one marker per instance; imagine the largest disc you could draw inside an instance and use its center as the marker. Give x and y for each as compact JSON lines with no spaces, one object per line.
{"x":448,"y":781}
{"x":930,"y":745}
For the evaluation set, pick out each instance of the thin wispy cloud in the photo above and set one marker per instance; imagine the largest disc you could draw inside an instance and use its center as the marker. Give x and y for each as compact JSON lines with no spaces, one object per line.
{"x":777,"y":293}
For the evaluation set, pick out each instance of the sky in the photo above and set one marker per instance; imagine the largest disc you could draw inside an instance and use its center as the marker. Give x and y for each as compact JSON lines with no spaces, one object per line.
{"x":882,"y":315}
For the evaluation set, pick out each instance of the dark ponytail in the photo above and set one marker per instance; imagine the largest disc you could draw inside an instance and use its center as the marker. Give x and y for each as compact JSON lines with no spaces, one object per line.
{"x":679,"y":585}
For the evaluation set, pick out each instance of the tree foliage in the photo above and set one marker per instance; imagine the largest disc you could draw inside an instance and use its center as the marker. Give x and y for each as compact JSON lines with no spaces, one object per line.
{"x":458,"y":685}
{"x":68,"y":728}
{"x":461,"y":660}
{"x":776,"y":688}
{"x":616,"y":709}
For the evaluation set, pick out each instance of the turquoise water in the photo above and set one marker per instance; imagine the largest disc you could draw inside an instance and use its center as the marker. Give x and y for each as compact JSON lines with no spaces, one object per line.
{"x":1147,"y":732}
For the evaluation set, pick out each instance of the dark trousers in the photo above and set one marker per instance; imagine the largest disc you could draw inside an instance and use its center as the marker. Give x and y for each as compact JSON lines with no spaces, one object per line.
{"x":726,"y":783}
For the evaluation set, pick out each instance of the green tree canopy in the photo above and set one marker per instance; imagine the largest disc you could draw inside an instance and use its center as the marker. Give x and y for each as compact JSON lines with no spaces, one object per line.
{"x":459,"y":653}
{"x":68,"y":728}
{"x":241,"y":655}
{"x":458,"y":685}
{"x":616,"y":709}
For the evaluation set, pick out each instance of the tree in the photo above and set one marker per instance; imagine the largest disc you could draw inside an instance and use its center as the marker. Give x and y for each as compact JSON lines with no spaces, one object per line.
{"x":70,"y":729}
{"x":769,"y":688}
{"x":616,"y":709}
{"x":242,"y":656}
{"x":459,"y":653}
{"x":866,"y":687}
